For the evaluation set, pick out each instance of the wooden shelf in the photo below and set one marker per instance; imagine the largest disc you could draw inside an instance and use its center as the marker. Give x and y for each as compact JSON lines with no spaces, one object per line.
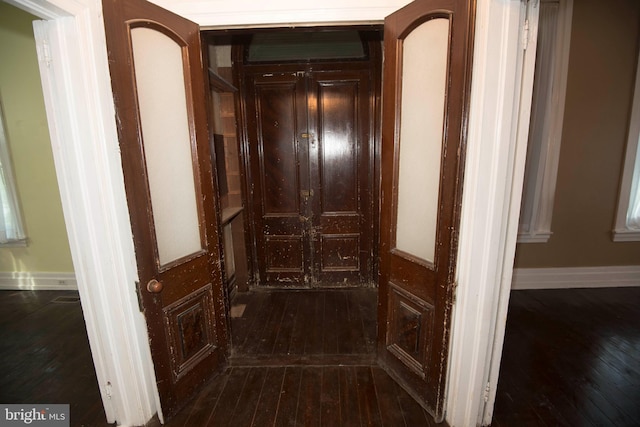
{"x":219,"y":84}
{"x":228,"y":214}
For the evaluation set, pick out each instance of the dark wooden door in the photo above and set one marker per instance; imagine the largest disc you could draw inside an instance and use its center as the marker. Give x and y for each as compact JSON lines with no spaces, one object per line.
{"x":341,"y":125}
{"x":425,"y":99}
{"x":280,"y":176}
{"x":159,"y":92}
{"x":310,"y":134}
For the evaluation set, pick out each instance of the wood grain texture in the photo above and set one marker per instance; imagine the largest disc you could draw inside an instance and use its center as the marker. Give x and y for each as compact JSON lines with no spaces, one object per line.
{"x":305,"y":396}
{"x":309,"y":136}
{"x":571,"y":357}
{"x":305,"y":327}
{"x":191,"y":274}
{"x":428,"y":282}
{"x":45,"y":356}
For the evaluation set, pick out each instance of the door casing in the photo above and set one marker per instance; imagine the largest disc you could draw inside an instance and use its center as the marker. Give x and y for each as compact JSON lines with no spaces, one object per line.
{"x":79,"y":106}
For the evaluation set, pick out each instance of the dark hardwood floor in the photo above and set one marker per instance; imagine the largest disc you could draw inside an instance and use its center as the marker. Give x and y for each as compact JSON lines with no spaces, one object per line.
{"x":303,"y":358}
{"x":45,"y":356}
{"x":571,"y":358}
{"x":315,"y":327}
{"x":303,"y":396}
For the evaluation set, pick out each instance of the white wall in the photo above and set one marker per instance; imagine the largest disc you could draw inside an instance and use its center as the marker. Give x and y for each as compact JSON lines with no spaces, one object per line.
{"x":216,"y":13}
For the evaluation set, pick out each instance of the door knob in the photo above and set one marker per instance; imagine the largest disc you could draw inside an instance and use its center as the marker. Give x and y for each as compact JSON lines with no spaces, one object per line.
{"x":154,"y":286}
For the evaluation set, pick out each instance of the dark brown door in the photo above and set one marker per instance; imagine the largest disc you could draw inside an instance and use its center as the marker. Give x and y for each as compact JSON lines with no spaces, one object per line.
{"x":280,"y":176}
{"x":425,"y":98}
{"x":158,"y":85}
{"x":310,"y":134}
{"x":341,"y":124}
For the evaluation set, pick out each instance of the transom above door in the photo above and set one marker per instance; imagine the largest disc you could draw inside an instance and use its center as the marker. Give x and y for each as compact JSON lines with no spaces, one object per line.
{"x":310,"y":144}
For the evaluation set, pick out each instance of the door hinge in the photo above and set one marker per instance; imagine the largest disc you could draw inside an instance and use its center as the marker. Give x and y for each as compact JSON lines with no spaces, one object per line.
{"x":525,"y":35}
{"x":454,"y":292}
{"x":139,"y":295}
{"x":526,"y":27}
{"x":45,"y":52}
{"x":487,"y":391}
{"x":108,"y":390}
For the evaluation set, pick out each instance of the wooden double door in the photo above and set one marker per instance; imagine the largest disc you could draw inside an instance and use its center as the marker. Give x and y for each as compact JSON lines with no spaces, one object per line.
{"x":311,"y":137}
{"x":310,"y":168}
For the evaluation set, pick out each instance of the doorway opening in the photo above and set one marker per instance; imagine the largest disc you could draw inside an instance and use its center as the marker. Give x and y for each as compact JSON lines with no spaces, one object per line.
{"x":295,"y":137}
{"x":113,"y":266}
{"x":295,"y":118}
{"x":45,"y":350}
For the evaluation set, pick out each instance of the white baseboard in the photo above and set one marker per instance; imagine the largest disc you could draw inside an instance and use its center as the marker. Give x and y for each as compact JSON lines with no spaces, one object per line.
{"x":576,"y":277}
{"x":27,"y":281}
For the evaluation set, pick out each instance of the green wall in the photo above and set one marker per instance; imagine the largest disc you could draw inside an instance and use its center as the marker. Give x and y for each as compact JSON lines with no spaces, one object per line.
{"x":28,"y":134}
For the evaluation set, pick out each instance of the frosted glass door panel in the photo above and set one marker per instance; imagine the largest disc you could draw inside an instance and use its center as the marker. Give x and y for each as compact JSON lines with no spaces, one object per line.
{"x":167,"y":143}
{"x":424,"y":71}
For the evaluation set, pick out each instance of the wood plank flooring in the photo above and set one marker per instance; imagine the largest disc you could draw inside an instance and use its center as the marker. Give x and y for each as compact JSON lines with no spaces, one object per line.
{"x":571,"y":358}
{"x":303,"y":396}
{"x":303,"y":358}
{"x":45,"y":356}
{"x":312,"y":327}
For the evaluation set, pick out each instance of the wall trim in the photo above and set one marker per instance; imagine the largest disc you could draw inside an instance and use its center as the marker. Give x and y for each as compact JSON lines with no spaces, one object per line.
{"x":534,"y":237}
{"x":625,"y":235}
{"x":626,"y":227}
{"x":494,"y":173}
{"x":546,"y":129}
{"x":77,"y":92}
{"x":576,"y":277}
{"x":37,"y":281}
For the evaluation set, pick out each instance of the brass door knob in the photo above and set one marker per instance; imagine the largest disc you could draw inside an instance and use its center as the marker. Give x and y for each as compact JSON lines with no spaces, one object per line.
{"x":154,"y":286}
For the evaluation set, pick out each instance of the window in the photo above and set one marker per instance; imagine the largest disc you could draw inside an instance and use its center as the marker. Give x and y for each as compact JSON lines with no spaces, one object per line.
{"x":627,"y":225}
{"x":11,"y":229}
{"x":305,"y":46}
{"x":547,"y":113}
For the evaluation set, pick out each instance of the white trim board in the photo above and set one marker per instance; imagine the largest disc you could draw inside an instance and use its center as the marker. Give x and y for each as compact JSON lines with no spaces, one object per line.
{"x":75,"y":77}
{"x":37,"y":281}
{"x":281,"y":13}
{"x":494,"y":174}
{"x":576,"y":277}
{"x":626,"y":227}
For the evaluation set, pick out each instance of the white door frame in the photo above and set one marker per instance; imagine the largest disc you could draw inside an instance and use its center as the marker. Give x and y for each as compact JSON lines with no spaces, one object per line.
{"x":78,"y":99}
{"x":79,"y":102}
{"x":502,"y":88}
